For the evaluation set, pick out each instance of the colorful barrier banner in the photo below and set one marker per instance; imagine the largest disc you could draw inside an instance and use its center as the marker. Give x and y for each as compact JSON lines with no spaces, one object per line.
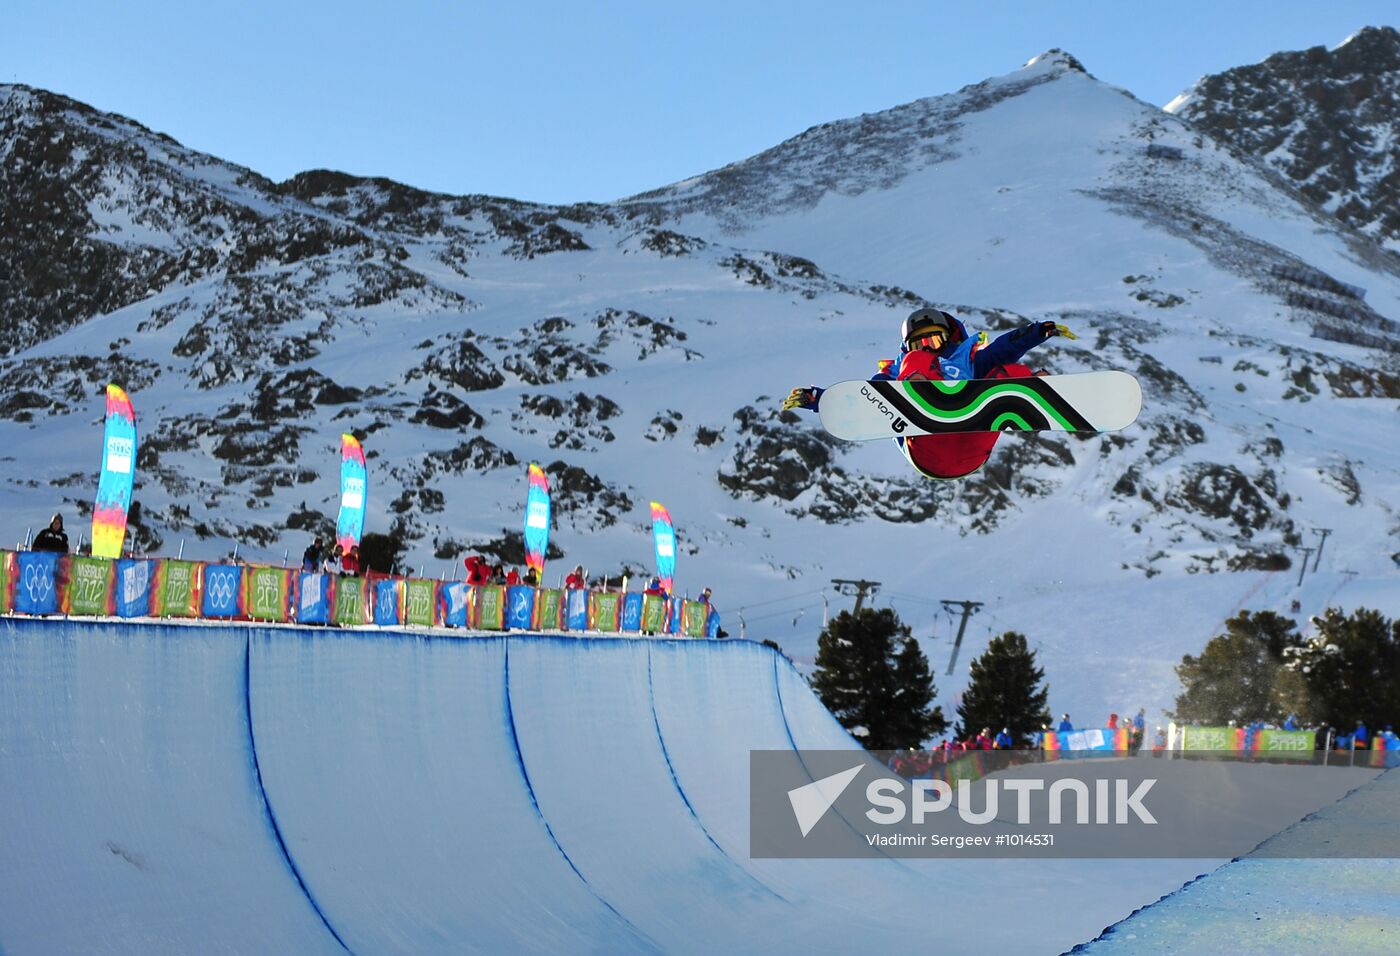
{"x":176,"y":589}
{"x":712,"y":624}
{"x":388,"y":601}
{"x":693,"y":614}
{"x":91,"y":586}
{"x":456,"y":597}
{"x":632,"y":612}
{"x":549,"y":610}
{"x":673,"y":626}
{"x":1212,"y":738}
{"x":520,"y":607}
{"x":1284,"y":744}
{"x":969,"y":766}
{"x":604,"y":611}
{"x":576,"y":610}
{"x":1093,"y":739}
{"x":653,"y":614}
{"x":537,"y":521}
{"x":223,"y":591}
{"x":1385,"y":751}
{"x":37,"y":581}
{"x":664,"y":533}
{"x":269,"y":594}
{"x":350,"y":600}
{"x":7,"y":581}
{"x":420,"y":600}
{"x":354,"y":487}
{"x":313,"y":598}
{"x":491,"y":607}
{"x":117,"y":476}
{"x":133,"y":591}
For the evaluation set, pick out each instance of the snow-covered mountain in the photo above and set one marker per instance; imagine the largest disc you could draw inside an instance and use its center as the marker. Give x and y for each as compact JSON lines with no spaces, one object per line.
{"x":639,"y":350}
{"x":1325,"y":119}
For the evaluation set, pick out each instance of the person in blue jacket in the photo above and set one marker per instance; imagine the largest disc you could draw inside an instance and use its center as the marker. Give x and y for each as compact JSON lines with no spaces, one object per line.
{"x":1065,"y":725}
{"x":1004,"y":740}
{"x":937,"y":347}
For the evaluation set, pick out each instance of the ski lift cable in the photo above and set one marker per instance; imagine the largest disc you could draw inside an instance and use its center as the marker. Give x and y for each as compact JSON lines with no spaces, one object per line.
{"x":778,"y":613}
{"x":785,"y":597}
{"x":912,"y":598}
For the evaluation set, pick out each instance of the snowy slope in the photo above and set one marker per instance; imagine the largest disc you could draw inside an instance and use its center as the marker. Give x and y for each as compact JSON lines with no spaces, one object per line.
{"x":639,"y":350}
{"x":1339,"y":904}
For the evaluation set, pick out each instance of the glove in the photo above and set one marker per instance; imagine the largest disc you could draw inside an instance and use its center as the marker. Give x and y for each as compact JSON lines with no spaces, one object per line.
{"x":802,"y":398}
{"x":1052,"y":329}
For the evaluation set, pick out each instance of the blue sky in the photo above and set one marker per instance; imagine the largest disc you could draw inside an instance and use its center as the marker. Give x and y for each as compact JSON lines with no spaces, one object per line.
{"x":591,"y":101}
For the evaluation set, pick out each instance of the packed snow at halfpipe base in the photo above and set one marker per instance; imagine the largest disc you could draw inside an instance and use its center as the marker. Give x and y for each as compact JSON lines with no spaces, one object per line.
{"x":181,"y":788}
{"x":1290,"y":905}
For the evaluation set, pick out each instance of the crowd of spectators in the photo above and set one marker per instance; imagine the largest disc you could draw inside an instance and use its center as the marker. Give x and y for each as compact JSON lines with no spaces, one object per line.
{"x":333,"y":560}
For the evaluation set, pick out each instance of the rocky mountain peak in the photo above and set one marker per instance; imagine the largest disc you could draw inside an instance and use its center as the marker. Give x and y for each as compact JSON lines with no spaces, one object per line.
{"x":1324,"y":118}
{"x":1055,"y":57}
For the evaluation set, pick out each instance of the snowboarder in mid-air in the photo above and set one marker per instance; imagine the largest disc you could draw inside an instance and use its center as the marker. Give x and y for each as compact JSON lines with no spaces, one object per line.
{"x":936,"y":347}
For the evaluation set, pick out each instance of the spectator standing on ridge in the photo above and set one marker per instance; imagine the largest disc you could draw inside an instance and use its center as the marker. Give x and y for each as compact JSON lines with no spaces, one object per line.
{"x":1112,"y":721}
{"x":532,"y":578}
{"x":53,"y":538}
{"x":1290,"y":722}
{"x":350,"y":562}
{"x":478,"y":571}
{"x":1004,"y":740}
{"x":1065,"y":725}
{"x":512,"y":577}
{"x":330,"y":564}
{"x":1359,"y":738}
{"x":311,"y":557}
{"x":1138,"y":731}
{"x":575,"y":580}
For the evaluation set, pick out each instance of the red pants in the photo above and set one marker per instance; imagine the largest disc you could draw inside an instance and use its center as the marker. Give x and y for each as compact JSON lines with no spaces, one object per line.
{"x":956,"y":456}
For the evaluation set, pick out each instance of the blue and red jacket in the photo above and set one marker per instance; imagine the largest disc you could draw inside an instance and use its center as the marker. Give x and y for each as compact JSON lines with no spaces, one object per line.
{"x":955,"y":456}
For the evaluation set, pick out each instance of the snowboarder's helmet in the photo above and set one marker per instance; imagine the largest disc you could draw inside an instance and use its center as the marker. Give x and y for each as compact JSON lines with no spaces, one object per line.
{"x":925,"y":322}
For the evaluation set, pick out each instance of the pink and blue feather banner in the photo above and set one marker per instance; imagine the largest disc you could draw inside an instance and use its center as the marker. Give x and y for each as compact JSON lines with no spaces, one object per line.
{"x":537,"y":520}
{"x":117,"y":478}
{"x":354,"y":485}
{"x":665,"y":534}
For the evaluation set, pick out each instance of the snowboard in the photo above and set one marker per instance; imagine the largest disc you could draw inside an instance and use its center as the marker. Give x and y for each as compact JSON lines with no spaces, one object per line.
{"x":1078,"y":402}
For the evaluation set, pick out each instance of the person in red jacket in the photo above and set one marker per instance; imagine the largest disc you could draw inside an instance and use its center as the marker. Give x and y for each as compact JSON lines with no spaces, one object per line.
{"x":350,"y":562}
{"x":575,"y":581}
{"x":937,"y":347}
{"x":478,"y":571}
{"x":512,"y":577}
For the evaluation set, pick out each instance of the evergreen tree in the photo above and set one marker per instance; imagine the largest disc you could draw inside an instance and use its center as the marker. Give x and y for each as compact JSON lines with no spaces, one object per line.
{"x":873,"y":677}
{"x":1238,"y":675}
{"x":1347,"y":670}
{"x":1006,"y":690}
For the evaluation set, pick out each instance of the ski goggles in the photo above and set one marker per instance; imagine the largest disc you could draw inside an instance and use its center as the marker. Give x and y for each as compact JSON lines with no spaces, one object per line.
{"x":933,"y":340}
